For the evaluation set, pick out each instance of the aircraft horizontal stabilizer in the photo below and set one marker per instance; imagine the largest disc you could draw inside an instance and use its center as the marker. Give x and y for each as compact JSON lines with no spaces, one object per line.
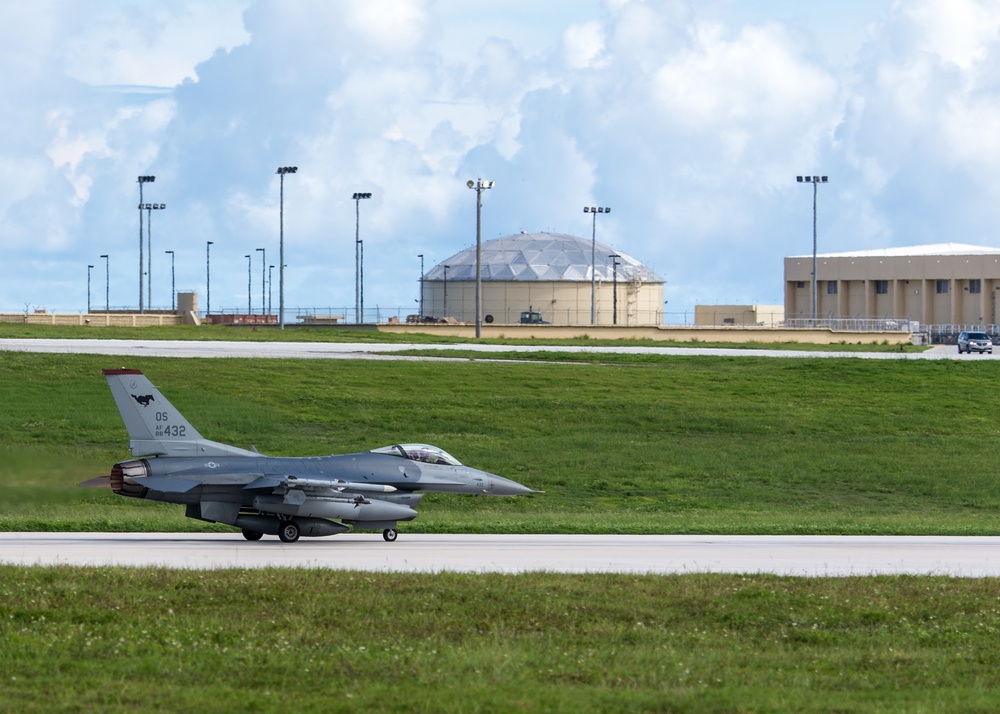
{"x":167,"y":484}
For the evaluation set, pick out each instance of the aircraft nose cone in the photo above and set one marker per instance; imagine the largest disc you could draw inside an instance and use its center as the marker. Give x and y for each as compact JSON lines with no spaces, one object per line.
{"x":505,"y":487}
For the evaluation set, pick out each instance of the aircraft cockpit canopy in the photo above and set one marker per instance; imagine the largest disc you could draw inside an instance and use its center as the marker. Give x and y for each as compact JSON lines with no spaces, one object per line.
{"x":420,"y":452}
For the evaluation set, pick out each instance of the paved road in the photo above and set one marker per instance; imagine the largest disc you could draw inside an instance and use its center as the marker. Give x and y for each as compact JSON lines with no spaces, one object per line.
{"x":782,"y":555}
{"x":353,"y":350}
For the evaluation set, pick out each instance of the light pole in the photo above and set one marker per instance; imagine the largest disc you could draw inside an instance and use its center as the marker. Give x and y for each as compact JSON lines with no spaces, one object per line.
{"x":107,"y":283}
{"x":614,"y":288}
{"x":421,"y":256}
{"x":173,"y":282}
{"x":446,"y":291}
{"x":359,"y":260}
{"x":815,"y":181}
{"x":249,"y":309}
{"x":150,"y":207}
{"x":282,"y":170}
{"x":593,"y":259}
{"x":142,"y":180}
{"x":479,"y":186}
{"x":270,"y":282}
{"x":263,"y":268}
{"x":89,"y":268}
{"x":208,"y":278}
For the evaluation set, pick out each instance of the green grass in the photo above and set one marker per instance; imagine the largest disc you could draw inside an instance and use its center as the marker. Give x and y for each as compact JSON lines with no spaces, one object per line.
{"x":124,"y":640}
{"x":668,"y":445}
{"x":665,"y":445}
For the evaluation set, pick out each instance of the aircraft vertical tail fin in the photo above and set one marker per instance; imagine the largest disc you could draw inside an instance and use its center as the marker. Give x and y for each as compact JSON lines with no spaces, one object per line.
{"x":155,"y":427}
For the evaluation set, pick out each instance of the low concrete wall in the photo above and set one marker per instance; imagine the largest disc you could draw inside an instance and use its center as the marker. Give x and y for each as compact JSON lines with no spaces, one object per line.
{"x":93,"y":320}
{"x":596,"y":332}
{"x":677,"y":334}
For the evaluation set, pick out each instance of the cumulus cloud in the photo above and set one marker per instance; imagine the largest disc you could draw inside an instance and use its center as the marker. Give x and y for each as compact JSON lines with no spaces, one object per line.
{"x":690,"y":119}
{"x":583,"y":44}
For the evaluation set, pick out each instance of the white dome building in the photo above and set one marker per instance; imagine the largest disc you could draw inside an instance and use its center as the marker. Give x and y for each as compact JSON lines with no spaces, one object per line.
{"x":546,"y":273}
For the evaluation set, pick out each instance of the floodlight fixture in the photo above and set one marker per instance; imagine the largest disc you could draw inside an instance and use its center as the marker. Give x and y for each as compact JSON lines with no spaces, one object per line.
{"x":173,"y":281}
{"x":421,"y":256}
{"x":89,"y":268}
{"x":249,"y":260}
{"x":142,"y":261}
{"x":270,"y":284}
{"x":263,"y":269}
{"x":593,"y":259}
{"x":208,"y":277}
{"x":150,"y":207}
{"x":815,"y":181}
{"x":479,"y":186}
{"x":107,"y":283}
{"x":359,"y":259}
{"x":282,"y":171}
{"x":446,"y":268}
{"x":614,"y":287}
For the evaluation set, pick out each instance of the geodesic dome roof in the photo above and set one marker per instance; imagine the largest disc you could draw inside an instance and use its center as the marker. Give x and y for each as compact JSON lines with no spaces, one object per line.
{"x":541,"y":257}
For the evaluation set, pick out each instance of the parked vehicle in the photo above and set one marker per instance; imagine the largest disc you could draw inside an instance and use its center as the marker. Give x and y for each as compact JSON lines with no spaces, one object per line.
{"x":530,"y":317}
{"x":975,"y":342}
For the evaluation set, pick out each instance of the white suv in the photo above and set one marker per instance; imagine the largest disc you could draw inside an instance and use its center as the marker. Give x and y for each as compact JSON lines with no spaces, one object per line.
{"x":975,"y":342}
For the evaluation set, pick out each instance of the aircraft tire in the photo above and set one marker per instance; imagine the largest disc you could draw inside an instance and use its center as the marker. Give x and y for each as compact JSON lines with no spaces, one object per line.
{"x":389,"y":535}
{"x":251,"y":535}
{"x":288,"y":532}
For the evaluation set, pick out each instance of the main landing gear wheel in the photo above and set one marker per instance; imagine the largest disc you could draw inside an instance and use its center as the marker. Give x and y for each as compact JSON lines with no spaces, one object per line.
{"x":288,"y":532}
{"x":389,"y":534}
{"x":251,"y":535}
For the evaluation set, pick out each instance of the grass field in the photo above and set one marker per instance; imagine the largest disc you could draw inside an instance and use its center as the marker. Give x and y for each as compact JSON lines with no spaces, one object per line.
{"x":663,"y":445}
{"x":124,"y":640}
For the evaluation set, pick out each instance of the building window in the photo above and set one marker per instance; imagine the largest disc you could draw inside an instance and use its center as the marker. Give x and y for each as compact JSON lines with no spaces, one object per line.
{"x":941,"y":287}
{"x":881,"y":287}
{"x":831,"y":287}
{"x":800,"y":284}
{"x":975,"y":286}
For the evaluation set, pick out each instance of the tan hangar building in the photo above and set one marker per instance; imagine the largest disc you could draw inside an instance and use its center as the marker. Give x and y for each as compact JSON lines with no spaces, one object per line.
{"x":945,"y":283}
{"x":548,"y":274}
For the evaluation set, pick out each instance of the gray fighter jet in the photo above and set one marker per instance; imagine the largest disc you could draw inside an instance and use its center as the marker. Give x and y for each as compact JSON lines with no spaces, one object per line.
{"x":284,"y":496}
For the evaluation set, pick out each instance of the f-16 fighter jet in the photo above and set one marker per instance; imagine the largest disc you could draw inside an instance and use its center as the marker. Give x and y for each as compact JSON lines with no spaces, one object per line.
{"x":284,"y":496}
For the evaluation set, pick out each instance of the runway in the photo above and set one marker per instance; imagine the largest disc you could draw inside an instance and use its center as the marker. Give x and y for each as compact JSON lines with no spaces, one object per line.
{"x":812,"y":556}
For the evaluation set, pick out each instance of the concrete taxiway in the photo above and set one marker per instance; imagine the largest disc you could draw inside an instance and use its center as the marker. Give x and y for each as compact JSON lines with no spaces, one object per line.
{"x":782,"y":555}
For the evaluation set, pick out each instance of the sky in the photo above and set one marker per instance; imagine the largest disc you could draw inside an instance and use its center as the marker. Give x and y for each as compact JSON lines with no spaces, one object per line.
{"x":690,"y":119}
